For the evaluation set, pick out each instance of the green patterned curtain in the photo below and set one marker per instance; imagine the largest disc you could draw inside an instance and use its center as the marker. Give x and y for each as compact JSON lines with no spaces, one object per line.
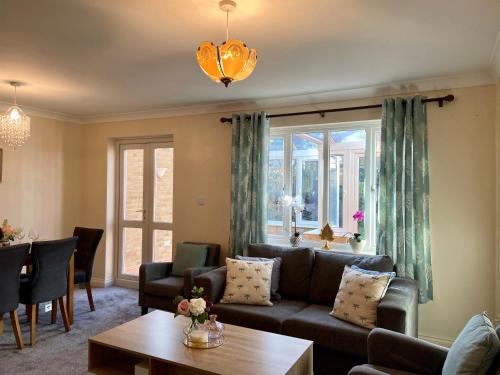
{"x":403,"y":204}
{"x":248,"y":181}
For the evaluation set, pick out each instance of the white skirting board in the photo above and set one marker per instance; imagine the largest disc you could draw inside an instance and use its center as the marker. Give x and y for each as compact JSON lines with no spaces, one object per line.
{"x":436,"y":340}
{"x":98,"y":282}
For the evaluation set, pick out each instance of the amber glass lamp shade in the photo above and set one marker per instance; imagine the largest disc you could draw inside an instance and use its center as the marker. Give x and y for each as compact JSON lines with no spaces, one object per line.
{"x":231,"y":61}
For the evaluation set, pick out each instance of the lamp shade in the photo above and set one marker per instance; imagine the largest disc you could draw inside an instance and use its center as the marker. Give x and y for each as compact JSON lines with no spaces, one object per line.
{"x":231,"y":61}
{"x":14,"y":127}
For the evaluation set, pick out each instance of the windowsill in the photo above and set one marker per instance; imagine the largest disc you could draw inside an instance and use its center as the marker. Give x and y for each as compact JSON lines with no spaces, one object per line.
{"x":336,"y":247}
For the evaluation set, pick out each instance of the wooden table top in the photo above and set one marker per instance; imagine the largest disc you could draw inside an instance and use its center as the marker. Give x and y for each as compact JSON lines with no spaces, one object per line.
{"x":245,"y":351}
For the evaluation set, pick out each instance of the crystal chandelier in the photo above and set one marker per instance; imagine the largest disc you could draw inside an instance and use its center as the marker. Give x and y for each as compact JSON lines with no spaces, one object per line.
{"x":14,"y":124}
{"x":232,"y":60}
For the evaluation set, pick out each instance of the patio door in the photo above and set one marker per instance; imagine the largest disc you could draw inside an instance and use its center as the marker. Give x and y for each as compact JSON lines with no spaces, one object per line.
{"x":145,"y":205}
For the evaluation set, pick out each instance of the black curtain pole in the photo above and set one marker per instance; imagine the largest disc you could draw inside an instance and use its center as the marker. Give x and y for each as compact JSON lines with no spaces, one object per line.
{"x":440,"y":100}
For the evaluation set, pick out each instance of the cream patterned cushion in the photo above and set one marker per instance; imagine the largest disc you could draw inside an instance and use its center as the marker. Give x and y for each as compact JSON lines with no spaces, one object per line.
{"x":248,"y":282}
{"x":359,"y":294}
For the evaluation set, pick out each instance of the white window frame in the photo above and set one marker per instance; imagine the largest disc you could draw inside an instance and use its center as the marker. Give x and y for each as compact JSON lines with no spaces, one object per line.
{"x":286,"y":132}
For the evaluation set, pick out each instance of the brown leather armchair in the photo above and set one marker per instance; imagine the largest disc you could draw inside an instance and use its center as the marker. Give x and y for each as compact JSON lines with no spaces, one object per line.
{"x":158,"y":288}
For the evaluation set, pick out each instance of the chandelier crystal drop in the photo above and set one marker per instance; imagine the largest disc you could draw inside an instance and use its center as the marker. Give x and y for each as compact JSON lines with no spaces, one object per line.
{"x":14,"y":124}
{"x":229,"y":62}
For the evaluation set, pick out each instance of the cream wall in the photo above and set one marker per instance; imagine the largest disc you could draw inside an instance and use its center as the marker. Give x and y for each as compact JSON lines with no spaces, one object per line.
{"x":40,"y":185}
{"x":462,"y":177}
{"x":202,"y":163}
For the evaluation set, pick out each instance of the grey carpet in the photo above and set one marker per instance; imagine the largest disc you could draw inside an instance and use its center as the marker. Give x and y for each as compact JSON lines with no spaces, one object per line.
{"x":57,"y":352}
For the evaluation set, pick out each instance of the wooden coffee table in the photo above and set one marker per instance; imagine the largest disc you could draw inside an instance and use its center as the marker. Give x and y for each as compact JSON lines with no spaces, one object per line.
{"x":157,"y":338}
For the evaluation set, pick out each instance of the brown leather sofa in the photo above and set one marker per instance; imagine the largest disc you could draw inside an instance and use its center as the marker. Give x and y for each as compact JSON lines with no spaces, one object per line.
{"x":158,"y":288}
{"x":309,"y":281}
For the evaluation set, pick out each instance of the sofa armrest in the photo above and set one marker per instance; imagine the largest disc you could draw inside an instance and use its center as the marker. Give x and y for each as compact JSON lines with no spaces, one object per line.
{"x":150,"y":272}
{"x":398,"y":310}
{"x":395,"y":350}
{"x":214,"y":283}
{"x":190,"y":274}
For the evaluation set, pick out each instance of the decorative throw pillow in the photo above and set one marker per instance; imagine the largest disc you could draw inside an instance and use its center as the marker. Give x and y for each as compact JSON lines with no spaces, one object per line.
{"x":359,"y":295}
{"x":275,"y":276}
{"x":391,"y":275}
{"x":248,"y":282}
{"x":474,"y":349}
{"x":187,"y":256}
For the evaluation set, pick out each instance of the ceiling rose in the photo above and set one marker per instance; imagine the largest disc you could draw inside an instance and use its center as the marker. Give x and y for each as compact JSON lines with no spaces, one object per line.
{"x":232,"y":60}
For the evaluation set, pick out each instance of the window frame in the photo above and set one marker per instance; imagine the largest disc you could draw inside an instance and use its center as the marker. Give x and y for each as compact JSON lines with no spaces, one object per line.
{"x":371,"y":127}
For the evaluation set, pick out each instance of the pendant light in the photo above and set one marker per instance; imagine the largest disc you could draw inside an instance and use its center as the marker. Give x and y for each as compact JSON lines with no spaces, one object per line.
{"x":14,"y":124}
{"x":229,"y":62}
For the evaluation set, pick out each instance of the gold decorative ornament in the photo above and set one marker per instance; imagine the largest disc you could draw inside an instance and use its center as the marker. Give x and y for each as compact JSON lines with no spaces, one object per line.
{"x":326,"y":234}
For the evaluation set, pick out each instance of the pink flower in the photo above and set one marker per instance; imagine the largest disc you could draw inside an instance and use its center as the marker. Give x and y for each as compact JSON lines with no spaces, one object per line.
{"x":183,"y":307}
{"x":358,"y":216}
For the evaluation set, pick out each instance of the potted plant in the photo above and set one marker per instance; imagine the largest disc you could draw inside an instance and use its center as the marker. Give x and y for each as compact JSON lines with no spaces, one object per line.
{"x":356,"y":241}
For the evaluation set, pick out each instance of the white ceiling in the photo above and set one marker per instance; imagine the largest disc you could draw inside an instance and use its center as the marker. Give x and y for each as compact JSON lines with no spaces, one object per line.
{"x":91,"y":57}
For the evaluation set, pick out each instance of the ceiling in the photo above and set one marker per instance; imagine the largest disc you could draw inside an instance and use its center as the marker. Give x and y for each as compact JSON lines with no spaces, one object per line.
{"x":92,"y":57}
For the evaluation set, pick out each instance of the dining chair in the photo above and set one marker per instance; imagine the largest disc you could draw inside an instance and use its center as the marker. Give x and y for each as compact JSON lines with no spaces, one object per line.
{"x":88,"y":240}
{"x":48,"y":279}
{"x":11,"y":262}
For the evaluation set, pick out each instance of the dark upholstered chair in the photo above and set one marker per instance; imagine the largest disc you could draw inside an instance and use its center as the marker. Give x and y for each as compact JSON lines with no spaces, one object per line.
{"x":158,"y":288}
{"x":48,"y":280}
{"x":392,"y":353}
{"x":88,"y":240}
{"x":11,"y":262}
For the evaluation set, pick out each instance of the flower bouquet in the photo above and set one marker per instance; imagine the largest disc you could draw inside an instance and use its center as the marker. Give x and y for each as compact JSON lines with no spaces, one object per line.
{"x":197,"y":309}
{"x":357,"y":242}
{"x":8,"y":233}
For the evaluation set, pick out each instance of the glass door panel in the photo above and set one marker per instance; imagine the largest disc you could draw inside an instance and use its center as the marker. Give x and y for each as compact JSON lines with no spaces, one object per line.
{"x":307,"y":179}
{"x":347,"y":177}
{"x":133,"y":184}
{"x":132,"y":251}
{"x":162,"y":245}
{"x":146,"y":206}
{"x":163,"y":184}
{"x":276,"y":184}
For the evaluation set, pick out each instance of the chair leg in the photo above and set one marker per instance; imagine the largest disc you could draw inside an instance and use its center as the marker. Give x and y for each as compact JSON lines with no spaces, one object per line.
{"x":62,"y":306}
{"x":1,"y":324}
{"x":89,"y":295}
{"x":37,"y":312}
{"x":14,"y":319}
{"x":53,"y":314}
{"x":144,"y":310}
{"x":32,"y":314}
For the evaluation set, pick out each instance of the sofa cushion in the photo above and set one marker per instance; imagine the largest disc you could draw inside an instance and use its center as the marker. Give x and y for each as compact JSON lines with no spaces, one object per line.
{"x":296,"y":267}
{"x":359,"y":295}
{"x":314,"y":323}
{"x":275,"y":277}
{"x":329,"y":267}
{"x":188,"y":255}
{"x":377,"y":370}
{"x":264,"y":318}
{"x":167,"y":287}
{"x":475,"y":348}
{"x":248,"y":282}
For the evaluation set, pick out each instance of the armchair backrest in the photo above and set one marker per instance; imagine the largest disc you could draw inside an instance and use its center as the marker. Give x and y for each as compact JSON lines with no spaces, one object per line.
{"x":495,"y":367}
{"x":88,"y":240}
{"x":213,"y":253}
{"x":48,"y":280}
{"x":11,"y":262}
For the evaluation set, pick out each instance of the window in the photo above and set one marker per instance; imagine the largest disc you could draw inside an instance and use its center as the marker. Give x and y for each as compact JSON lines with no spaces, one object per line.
{"x":332,"y":170}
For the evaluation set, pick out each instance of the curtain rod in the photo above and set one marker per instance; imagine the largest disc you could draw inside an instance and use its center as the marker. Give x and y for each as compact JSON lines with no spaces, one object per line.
{"x":440,"y":100}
